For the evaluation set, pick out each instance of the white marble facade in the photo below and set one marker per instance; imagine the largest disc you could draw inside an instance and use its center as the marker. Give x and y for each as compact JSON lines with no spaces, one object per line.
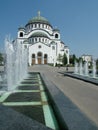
{"x":43,"y":41}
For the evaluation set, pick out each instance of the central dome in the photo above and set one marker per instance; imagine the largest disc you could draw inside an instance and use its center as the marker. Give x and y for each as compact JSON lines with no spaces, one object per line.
{"x":39,"y":19}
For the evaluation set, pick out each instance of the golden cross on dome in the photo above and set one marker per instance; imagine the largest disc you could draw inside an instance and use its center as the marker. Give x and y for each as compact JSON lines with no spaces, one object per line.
{"x":38,"y":13}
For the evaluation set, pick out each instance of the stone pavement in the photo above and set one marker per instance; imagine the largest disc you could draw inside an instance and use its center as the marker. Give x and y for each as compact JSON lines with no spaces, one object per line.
{"x":83,"y":95}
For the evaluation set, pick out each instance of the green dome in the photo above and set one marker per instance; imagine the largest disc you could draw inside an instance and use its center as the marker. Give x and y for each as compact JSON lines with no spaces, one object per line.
{"x":38,"y":19}
{"x":39,"y":34}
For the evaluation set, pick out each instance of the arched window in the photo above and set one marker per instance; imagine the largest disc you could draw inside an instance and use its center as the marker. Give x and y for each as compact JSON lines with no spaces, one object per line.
{"x":35,"y":39}
{"x":39,"y":39}
{"x":32,"y":39}
{"x":39,"y":54}
{"x":25,"y":46}
{"x":53,"y":47}
{"x":42,"y":39}
{"x":33,"y":55}
{"x":42,"y":25}
{"x":45,"y":40}
{"x":56,"y":35}
{"x":21,"y":34}
{"x":45,"y":55}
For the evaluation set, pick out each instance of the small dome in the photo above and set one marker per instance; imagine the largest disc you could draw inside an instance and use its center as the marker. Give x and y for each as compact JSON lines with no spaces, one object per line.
{"x":21,"y":28}
{"x":56,"y":30}
{"x":62,"y":42}
{"x":53,"y":43}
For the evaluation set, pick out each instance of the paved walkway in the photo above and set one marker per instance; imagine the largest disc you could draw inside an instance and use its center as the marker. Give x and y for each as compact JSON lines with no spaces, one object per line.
{"x":84,"y":95}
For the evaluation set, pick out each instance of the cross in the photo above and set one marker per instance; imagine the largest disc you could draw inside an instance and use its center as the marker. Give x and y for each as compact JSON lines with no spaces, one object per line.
{"x":38,"y":13}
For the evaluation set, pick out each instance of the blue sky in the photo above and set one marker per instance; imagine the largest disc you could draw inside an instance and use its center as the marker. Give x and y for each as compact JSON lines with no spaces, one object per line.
{"x":76,"y":19}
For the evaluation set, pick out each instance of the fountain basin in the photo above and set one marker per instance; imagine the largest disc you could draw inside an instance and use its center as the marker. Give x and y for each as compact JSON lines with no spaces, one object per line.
{"x":83,"y":77}
{"x":30,"y":99}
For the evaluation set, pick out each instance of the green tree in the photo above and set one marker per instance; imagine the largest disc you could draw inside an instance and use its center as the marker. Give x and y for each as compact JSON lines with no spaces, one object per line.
{"x":64,"y":59}
{"x":97,"y":64}
{"x":59,"y":58}
{"x":72,"y":59}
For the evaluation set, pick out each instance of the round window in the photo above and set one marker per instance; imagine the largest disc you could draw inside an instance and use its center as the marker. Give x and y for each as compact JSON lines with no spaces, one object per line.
{"x":39,"y":46}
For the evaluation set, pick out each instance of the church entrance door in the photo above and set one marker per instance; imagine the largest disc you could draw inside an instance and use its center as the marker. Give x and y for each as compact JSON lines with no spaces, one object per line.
{"x":39,"y":57}
{"x":45,"y":61}
{"x":33,"y":59}
{"x":39,"y":61}
{"x":45,"y":58}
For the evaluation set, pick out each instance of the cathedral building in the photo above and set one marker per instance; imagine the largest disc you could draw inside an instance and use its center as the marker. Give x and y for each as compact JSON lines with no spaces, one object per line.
{"x":43,"y":41}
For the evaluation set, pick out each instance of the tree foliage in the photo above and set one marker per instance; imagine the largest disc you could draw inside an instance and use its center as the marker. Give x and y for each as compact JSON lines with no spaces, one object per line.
{"x":64,"y":59}
{"x":97,"y":63}
{"x":72,"y":59}
{"x":59,"y":59}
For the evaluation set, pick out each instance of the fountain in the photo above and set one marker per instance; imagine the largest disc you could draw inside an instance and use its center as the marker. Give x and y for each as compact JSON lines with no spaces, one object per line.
{"x":86,"y":68}
{"x":82,"y":72}
{"x":24,"y":91}
{"x":94,"y":69}
{"x":0,"y":78}
{"x":15,"y":63}
{"x":80,"y":68}
{"x":76,"y":68}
